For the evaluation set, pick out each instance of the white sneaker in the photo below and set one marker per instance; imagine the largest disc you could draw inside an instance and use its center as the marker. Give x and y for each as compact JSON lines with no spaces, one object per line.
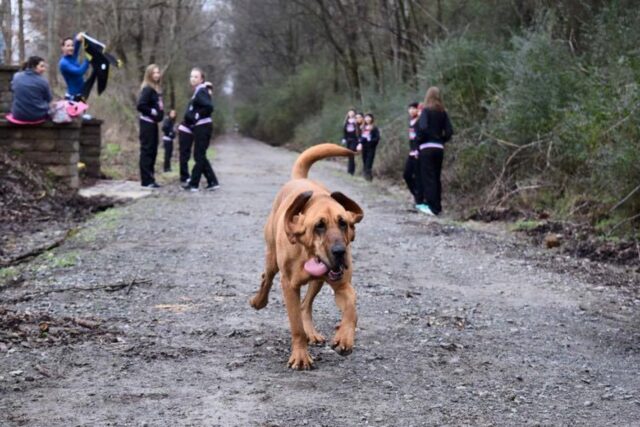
{"x":426,"y":210}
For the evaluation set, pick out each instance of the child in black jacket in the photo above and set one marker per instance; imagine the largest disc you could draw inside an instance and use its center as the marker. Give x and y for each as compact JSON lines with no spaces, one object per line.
{"x":411,"y":173}
{"x":350,"y":135}
{"x":369,"y":139}
{"x":168,"y":129}
{"x":151,"y":112}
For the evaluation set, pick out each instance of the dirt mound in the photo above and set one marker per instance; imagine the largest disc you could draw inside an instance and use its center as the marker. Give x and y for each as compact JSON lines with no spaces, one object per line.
{"x":580,"y":240}
{"x":584,"y":241}
{"x":30,"y":201}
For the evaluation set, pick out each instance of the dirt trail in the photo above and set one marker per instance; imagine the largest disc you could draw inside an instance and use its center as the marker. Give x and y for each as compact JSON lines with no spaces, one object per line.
{"x":456,"y":327}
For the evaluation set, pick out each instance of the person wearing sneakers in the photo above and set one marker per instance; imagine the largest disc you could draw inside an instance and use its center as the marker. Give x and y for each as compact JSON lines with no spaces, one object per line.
{"x":411,"y":173}
{"x":433,"y":131}
{"x":369,"y":139}
{"x":168,"y":129}
{"x":197,"y":121}
{"x":151,"y":113}
{"x":350,"y":135}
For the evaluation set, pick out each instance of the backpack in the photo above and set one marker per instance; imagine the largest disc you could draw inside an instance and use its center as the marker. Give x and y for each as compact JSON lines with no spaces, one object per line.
{"x":59,"y":114}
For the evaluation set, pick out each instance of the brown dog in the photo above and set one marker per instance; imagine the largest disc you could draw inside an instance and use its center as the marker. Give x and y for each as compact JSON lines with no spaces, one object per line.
{"x":308,"y":233}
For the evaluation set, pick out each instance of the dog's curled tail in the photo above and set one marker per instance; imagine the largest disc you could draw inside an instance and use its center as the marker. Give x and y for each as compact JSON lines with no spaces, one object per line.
{"x":318,"y":152}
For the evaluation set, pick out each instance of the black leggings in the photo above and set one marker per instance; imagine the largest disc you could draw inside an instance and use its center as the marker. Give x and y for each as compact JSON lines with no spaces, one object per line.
{"x":368,"y":154}
{"x":412,"y":177}
{"x":430,"y":169}
{"x":351,"y":166}
{"x":148,"y":151}
{"x":185,"y":142}
{"x":168,"y":151}
{"x":202,"y":137}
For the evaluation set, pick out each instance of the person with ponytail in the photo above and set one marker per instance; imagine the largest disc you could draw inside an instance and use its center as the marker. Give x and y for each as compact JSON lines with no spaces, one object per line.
{"x":369,"y":139}
{"x":31,"y":92}
{"x":411,"y":173}
{"x":151,"y":111}
{"x":73,"y":71}
{"x":196,"y":129}
{"x":433,"y":131}
{"x":350,"y":135}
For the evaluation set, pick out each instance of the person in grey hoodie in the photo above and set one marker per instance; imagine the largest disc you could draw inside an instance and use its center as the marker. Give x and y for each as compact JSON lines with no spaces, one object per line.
{"x":31,"y":91}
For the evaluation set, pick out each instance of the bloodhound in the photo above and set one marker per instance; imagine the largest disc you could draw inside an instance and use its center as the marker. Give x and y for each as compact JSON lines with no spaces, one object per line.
{"x":308,"y":234}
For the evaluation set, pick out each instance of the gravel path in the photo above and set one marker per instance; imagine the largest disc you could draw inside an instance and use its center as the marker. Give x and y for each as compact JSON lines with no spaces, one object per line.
{"x":456,"y":326}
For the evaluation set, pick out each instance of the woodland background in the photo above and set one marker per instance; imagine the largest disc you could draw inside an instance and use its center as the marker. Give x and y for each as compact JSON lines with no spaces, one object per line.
{"x":543,"y":94}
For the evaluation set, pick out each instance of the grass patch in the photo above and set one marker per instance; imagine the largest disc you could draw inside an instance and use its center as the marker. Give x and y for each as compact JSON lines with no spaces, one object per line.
{"x":112,"y":149}
{"x":68,"y":259}
{"x":525,"y":225}
{"x":8,"y":273}
{"x":102,"y":221}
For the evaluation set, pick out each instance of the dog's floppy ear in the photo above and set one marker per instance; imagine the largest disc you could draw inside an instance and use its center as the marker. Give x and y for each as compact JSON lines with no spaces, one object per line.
{"x":293,"y":219}
{"x":349,"y":205}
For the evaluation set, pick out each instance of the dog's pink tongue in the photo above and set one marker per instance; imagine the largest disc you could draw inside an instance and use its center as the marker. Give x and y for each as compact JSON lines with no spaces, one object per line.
{"x":315,"y":267}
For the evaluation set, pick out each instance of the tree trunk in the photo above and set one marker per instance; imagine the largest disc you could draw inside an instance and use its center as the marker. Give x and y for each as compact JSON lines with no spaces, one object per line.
{"x":7,"y":30}
{"x":139,"y":41}
{"x":21,"y":53}
{"x":52,"y":51}
{"x":353,"y":73}
{"x":156,"y":37}
{"x":172,"y":93}
{"x":379,"y":84}
{"x":336,"y":80}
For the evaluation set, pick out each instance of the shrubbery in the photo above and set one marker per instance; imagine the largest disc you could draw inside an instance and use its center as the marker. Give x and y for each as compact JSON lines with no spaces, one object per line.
{"x":540,"y":123}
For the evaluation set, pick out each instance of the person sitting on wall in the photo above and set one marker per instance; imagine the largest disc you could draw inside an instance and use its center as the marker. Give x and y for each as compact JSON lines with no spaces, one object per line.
{"x":31,"y":93}
{"x":72,"y":71}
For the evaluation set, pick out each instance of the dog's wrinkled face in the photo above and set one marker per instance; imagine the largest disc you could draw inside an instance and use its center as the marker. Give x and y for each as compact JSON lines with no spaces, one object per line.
{"x":325,"y":226}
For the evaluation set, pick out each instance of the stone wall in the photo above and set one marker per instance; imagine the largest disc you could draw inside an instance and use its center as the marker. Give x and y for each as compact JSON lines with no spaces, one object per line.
{"x":90,"y":146}
{"x":6,"y":74}
{"x":54,"y":146}
{"x":58,"y":147}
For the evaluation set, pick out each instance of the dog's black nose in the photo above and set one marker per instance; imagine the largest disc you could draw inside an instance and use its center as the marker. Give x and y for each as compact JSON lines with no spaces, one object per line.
{"x":338,"y":250}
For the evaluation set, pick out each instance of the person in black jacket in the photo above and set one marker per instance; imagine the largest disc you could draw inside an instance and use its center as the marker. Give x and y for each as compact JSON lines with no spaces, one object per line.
{"x":434,"y":130}
{"x":197,"y":123}
{"x":151,"y":113}
{"x":350,"y":135}
{"x":369,"y":139}
{"x":411,"y":173}
{"x":168,"y":129}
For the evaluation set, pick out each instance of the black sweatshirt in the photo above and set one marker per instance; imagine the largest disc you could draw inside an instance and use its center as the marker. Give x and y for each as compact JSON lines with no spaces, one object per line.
{"x":413,"y":133}
{"x":434,"y":126}
{"x":168,"y":128}
{"x":150,"y":102}
{"x":370,"y":136}
{"x":200,"y":106}
{"x":350,"y":130}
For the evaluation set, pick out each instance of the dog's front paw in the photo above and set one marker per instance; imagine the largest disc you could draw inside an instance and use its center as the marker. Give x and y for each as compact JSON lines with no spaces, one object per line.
{"x":300,"y":360}
{"x":343,"y":341}
{"x":314,"y":337}
{"x":258,"y":302}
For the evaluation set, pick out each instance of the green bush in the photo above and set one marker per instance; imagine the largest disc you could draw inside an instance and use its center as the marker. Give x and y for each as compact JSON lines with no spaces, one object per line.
{"x":467,"y":71}
{"x":280,"y":106}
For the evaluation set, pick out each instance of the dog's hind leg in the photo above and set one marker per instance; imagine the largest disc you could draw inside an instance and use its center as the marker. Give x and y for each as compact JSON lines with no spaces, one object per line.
{"x":307,"y":318}
{"x":261,"y":298}
{"x":345,"y":335}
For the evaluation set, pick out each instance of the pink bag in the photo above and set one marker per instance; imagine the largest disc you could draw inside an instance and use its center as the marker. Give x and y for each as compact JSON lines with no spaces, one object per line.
{"x":75,"y":109}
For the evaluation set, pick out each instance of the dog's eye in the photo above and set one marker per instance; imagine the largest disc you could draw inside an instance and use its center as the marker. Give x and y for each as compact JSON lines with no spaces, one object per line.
{"x":342,"y":224}
{"x":320,"y":227}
